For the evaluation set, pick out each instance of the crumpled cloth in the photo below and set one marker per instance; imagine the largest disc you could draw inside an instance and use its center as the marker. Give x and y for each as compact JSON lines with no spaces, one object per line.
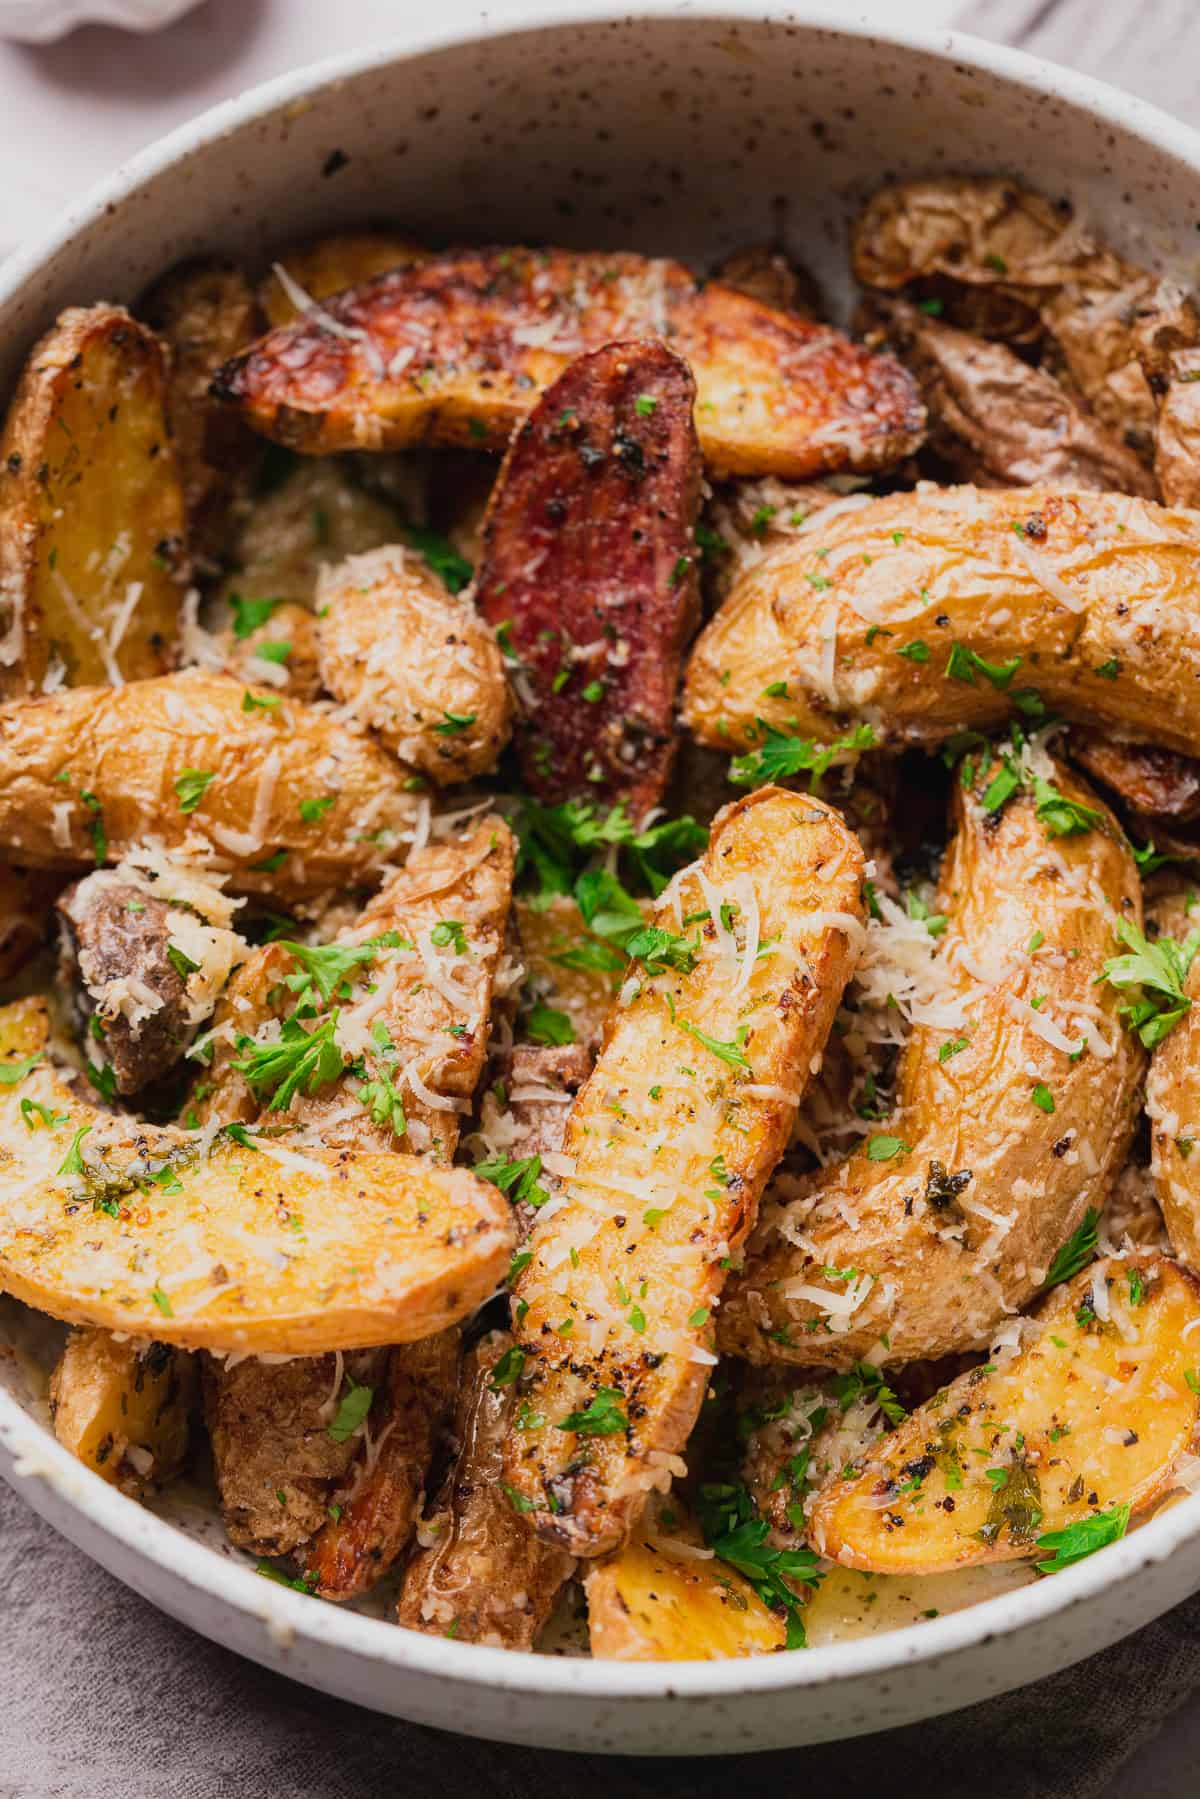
{"x":102,"y":1695}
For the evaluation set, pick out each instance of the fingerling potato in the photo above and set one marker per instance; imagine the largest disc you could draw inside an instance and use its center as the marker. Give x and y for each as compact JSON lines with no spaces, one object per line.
{"x":92,"y":562}
{"x":413,"y":663}
{"x":589,"y":569}
{"x":123,"y":1407}
{"x":940,"y":610}
{"x":296,"y":802}
{"x":671,"y":1141}
{"x":479,"y":1573}
{"x":456,"y":349}
{"x":1046,"y":1455}
{"x":280,"y":653}
{"x":1002,"y":1137}
{"x":321,"y":266}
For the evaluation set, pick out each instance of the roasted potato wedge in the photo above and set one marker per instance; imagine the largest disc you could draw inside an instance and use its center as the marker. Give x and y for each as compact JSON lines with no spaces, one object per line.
{"x":1006,"y":262}
{"x":367,"y":1529}
{"x":663,"y":1598}
{"x":328,"y":265}
{"x":280,"y":653}
{"x":926,"y":612}
{"x":92,"y":562}
{"x":589,"y":567}
{"x":1173,"y":1088}
{"x":106,"y":1221}
{"x":1177,"y":435}
{"x":996,"y":421}
{"x":205,"y":310}
{"x":143,"y":973}
{"x":124,"y":1408}
{"x":949,"y":1217}
{"x":297,"y":802}
{"x":480,"y":1574}
{"x":1154,"y":783}
{"x":456,"y":350}
{"x":767,"y":273}
{"x":1047,"y":1454}
{"x":414,"y":664}
{"x":672,"y":1140}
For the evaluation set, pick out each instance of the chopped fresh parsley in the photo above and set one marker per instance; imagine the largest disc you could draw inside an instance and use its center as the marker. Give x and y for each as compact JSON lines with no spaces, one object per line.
{"x":602,"y":1418}
{"x":313,"y":810}
{"x":1042,"y":1097}
{"x":1155,"y":973}
{"x":884,"y":1149}
{"x":72,"y":1163}
{"x":516,"y":1176}
{"x":439,"y":556}
{"x":509,"y":1368}
{"x":351,"y":1413}
{"x":1076,"y":1252}
{"x":13,"y":1072}
{"x":965,"y":664}
{"x":326,"y":965}
{"x":297,"y":1061}
{"x":191,"y":784}
{"x":1075,"y":1541}
{"x":736,"y":1534}
{"x":546,"y":1025}
{"x":454,"y":722}
{"x":733,"y":1053}
{"x":249,"y":614}
{"x":780,"y":756}
{"x":32,"y":1110}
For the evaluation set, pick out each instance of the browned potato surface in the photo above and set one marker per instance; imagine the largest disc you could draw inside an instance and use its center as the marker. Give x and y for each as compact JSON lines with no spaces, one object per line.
{"x":457,"y":349}
{"x":480,"y":1574}
{"x":589,"y":569}
{"x":1177,"y":438}
{"x":297,"y":803}
{"x":948,"y":1218}
{"x":1173,"y":1092}
{"x":413,"y":663}
{"x":1086,"y":1422}
{"x":671,"y":1141}
{"x":204,"y":311}
{"x":658,"y":1599}
{"x":123,"y":1407}
{"x":888,"y":614}
{"x":92,"y":564}
{"x":1154,"y":783}
{"x":281,"y":653}
{"x":1000,"y":423}
{"x":327,"y":265}
{"x":366,"y":1530}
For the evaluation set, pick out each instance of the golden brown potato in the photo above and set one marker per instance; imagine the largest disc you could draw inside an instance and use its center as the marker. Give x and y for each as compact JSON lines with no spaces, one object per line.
{"x":133,"y":1227}
{"x":413,"y":663}
{"x":457,"y":349}
{"x":480,"y":1574}
{"x":672,"y":1139}
{"x":92,"y":564}
{"x":327,"y":265}
{"x":297,"y":802}
{"x":1177,"y":438}
{"x":1006,"y":262}
{"x":663,"y":1598}
{"x":1154,"y":783}
{"x":996,"y":421}
{"x":205,"y":310}
{"x":926,"y":613}
{"x":947,"y":1219}
{"x":280,"y":653}
{"x":800,"y":1434}
{"x":27,"y":898}
{"x":1078,"y":1430}
{"x":124,"y":1408}
{"x":368,"y":1528}
{"x":1173,"y":1084}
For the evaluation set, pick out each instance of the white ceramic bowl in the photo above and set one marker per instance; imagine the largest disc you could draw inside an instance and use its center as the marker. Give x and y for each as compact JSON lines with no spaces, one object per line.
{"x":687,"y":132}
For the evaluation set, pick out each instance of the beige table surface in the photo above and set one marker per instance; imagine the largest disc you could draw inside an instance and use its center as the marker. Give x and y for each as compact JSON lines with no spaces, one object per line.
{"x":70,"y":111}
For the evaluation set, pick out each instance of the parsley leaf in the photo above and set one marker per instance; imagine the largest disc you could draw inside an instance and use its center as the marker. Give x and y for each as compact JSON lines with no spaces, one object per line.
{"x":1076,"y":1252}
{"x":545,"y":1025}
{"x":736,"y":1534}
{"x":249,"y":614}
{"x":509,"y":1368}
{"x":439,"y":556}
{"x":516,"y":1176}
{"x":351,"y":1413}
{"x":964,"y":664}
{"x":884,"y":1149}
{"x":297,"y":1061}
{"x":602,"y":1418}
{"x":1157,"y":971}
{"x":326,"y":965}
{"x":1062,"y":817}
{"x":733,"y":1053}
{"x":191,"y":784}
{"x":1075,"y":1541}
{"x":781,"y":756}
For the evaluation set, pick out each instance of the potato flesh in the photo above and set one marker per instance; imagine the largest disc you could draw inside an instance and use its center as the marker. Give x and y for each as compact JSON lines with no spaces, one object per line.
{"x":91,"y":510}
{"x":457,"y":349}
{"x":671,"y":1146}
{"x":830,"y":615}
{"x":1088,"y":1415}
{"x":123,"y":1408}
{"x":933,"y":1272}
{"x":127,"y":748}
{"x":337,"y":1251}
{"x":652,"y":1602}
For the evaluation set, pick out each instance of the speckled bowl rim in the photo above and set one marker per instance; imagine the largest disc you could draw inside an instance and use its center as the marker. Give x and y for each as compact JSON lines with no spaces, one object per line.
{"x":292,"y":1616}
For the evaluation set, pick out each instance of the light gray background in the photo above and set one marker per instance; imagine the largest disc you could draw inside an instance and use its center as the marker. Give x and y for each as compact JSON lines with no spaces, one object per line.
{"x":100,"y":1694}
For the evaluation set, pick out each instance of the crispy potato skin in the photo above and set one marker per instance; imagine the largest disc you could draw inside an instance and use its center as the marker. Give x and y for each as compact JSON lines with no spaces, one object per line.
{"x":251,"y":659}
{"x":1007,"y":263}
{"x":90,"y":503}
{"x":414,"y":663}
{"x":944,"y":568}
{"x":1076,"y":1426}
{"x":109,"y":1397}
{"x":128,"y":746}
{"x":457,"y":349}
{"x":589,"y":559}
{"x":1155,"y":783}
{"x":328,"y":265}
{"x":1000,"y":423}
{"x":1173,"y":1098}
{"x":390,"y":1248}
{"x":656,"y":1223}
{"x":205,"y":310}
{"x":352,"y":1551}
{"x":650,"y":1602}
{"x":484,"y":1574}
{"x":935,"y":1280}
